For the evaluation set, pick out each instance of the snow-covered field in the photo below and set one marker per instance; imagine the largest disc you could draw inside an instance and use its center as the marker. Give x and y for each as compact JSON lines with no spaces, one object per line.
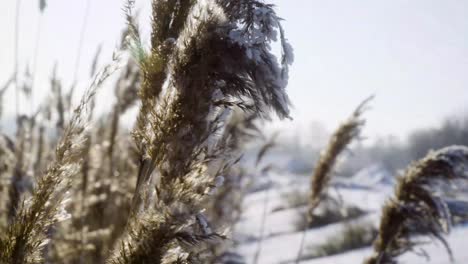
{"x":280,"y":241}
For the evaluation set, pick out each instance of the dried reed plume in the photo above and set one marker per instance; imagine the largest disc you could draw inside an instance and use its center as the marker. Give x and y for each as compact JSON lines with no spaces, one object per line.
{"x":416,"y":208}
{"x":339,"y":141}
{"x":321,"y":177}
{"x":206,"y":58}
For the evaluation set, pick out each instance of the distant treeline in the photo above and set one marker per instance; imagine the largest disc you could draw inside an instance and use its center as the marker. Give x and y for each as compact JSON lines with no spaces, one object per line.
{"x":390,"y":152}
{"x":396,"y":154}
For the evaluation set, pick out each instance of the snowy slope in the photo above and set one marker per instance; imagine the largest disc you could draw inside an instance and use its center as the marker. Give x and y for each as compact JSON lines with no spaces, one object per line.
{"x":280,"y":241}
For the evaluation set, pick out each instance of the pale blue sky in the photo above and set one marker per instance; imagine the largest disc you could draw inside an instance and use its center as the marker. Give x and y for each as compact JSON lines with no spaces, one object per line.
{"x":413,"y":55}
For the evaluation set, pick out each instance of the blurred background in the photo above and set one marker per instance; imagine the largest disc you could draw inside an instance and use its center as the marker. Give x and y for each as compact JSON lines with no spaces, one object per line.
{"x":412,"y":55}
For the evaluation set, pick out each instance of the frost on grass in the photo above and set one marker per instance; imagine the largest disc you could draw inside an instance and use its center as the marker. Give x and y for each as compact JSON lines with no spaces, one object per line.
{"x":190,"y":85}
{"x":418,"y":208}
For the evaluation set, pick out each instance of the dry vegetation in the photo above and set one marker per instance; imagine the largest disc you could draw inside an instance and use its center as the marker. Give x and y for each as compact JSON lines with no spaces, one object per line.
{"x":417,"y":207}
{"x":353,"y":236}
{"x":109,"y":195}
{"x":340,"y":140}
{"x":322,"y":174}
{"x":80,"y":188}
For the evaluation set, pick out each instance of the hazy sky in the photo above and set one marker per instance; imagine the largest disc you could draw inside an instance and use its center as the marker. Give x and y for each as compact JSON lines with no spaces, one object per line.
{"x":413,"y":55}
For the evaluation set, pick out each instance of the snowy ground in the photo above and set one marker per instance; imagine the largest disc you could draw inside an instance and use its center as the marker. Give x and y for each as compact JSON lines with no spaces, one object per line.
{"x":280,"y":240}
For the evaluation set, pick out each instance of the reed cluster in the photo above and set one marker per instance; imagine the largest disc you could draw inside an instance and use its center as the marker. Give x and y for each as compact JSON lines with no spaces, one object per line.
{"x":77,"y":187}
{"x":417,"y":208}
{"x":100,"y":197}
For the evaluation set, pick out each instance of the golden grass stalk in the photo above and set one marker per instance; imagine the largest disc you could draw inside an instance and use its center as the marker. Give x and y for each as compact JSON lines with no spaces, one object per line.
{"x":338,"y":143}
{"x":27,"y":235}
{"x":416,"y":208}
{"x":323,"y":171}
